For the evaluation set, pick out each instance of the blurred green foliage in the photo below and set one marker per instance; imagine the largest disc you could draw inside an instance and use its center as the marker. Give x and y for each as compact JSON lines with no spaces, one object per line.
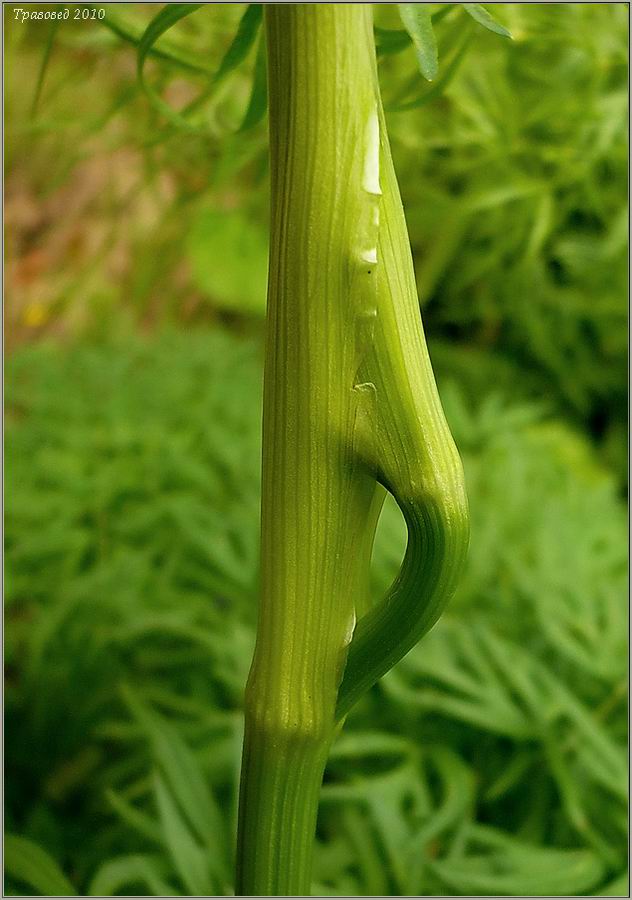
{"x":238,"y":249}
{"x":514,"y":188}
{"x":492,"y":760}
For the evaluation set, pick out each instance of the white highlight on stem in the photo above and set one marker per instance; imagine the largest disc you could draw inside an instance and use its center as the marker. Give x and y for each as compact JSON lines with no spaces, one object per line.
{"x":350,"y":629}
{"x":371,"y":183}
{"x":371,"y":175}
{"x":370,"y":256}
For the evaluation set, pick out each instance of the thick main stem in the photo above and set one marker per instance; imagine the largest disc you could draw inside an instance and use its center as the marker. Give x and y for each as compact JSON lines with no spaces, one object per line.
{"x":316,"y":502}
{"x":350,"y":408}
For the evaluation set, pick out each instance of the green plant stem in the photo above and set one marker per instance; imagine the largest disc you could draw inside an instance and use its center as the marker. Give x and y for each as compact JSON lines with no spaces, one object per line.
{"x":313,"y":503}
{"x":350,"y":408}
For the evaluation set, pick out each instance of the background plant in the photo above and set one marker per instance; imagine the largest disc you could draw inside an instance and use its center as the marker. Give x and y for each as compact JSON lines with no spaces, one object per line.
{"x":494,"y":761}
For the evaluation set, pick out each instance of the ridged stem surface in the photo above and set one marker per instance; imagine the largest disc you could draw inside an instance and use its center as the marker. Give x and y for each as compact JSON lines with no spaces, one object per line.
{"x":350,"y":409}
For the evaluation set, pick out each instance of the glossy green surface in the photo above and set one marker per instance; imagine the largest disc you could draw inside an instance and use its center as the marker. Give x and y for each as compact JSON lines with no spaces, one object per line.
{"x":350,"y":408}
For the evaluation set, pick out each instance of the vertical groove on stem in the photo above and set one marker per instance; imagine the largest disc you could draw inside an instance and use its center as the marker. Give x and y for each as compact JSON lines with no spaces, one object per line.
{"x":315,"y":503}
{"x":350,"y":408}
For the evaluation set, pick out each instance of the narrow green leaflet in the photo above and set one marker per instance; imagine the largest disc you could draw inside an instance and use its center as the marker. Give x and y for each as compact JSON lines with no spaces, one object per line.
{"x":440,"y":84}
{"x":166,"y":18}
{"x":362,"y":744}
{"x":442,"y":13}
{"x":189,"y":858}
{"x":127,"y":871}
{"x":133,"y":817}
{"x":132,"y":34}
{"x":418,"y":23}
{"x":394,"y":40}
{"x":498,"y":865}
{"x":480,"y":15}
{"x":242,"y":42}
{"x":390,"y":40}
{"x":183,"y":776}
{"x":54,"y":25}
{"x":27,"y":862}
{"x":258,"y":102}
{"x":236,"y":53}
